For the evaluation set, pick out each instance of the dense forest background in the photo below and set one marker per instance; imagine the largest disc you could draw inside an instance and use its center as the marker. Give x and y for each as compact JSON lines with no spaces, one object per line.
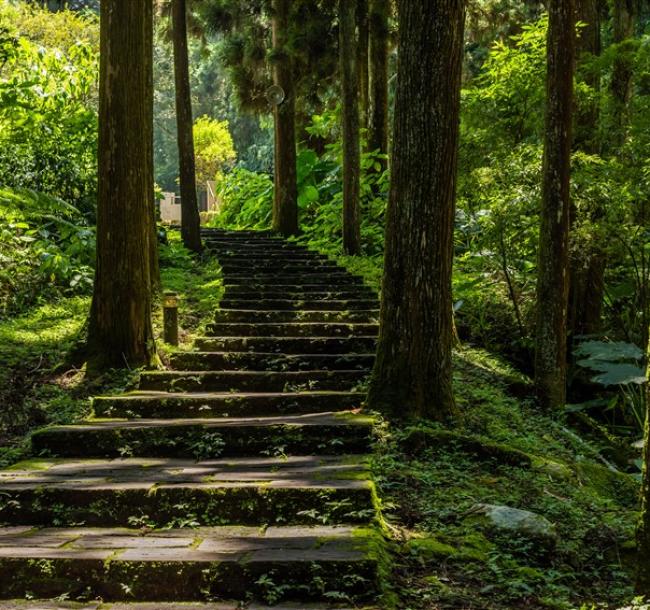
{"x":49,"y":63}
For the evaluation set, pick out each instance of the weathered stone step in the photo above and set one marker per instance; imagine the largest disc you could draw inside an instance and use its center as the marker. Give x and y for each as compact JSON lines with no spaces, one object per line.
{"x":292,"y":329}
{"x":250,"y":381}
{"x":268,"y":316}
{"x":215,"y":361}
{"x":189,"y":564}
{"x":65,"y":605}
{"x":273,"y":268}
{"x":270,"y":293}
{"x":327,"y":433}
{"x":166,"y":405}
{"x":305,"y":490}
{"x":283,"y":257}
{"x":331,"y":280}
{"x":232,"y":288}
{"x":218,"y":246}
{"x":288,"y":345}
{"x":299,"y":305}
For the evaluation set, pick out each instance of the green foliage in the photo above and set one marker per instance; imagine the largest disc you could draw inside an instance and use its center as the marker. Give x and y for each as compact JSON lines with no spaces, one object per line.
{"x":48,"y":117}
{"x":46,"y":249}
{"x":213,"y":148}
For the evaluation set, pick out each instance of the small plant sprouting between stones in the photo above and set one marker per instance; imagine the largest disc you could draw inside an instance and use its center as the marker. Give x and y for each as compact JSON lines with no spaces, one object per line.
{"x":207,"y":445}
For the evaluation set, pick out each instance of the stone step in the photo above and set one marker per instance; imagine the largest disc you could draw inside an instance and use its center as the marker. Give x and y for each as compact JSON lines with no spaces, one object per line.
{"x":251,"y":381}
{"x":288,"y":345}
{"x":216,"y":361}
{"x":189,"y":564}
{"x":303,"y":490}
{"x":164,"y":405}
{"x":270,"y":316}
{"x":275,"y":268}
{"x":218,"y":246}
{"x":231,"y":288}
{"x":300,"y":305}
{"x":292,"y":329}
{"x":271,"y":277}
{"x":282,"y":257}
{"x":234,"y":605}
{"x":327,"y":433}
{"x":271,"y":293}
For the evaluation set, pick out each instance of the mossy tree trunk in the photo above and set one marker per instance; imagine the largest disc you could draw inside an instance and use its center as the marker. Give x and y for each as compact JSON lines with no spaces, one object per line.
{"x":588,"y":260}
{"x":379,"y":11}
{"x":413,"y":369}
{"x":553,"y":257}
{"x":190,"y":219}
{"x":362,"y":63}
{"x":120,"y":332}
{"x":285,"y":203}
{"x":623,"y":21}
{"x":643,"y":532}
{"x":350,"y":119}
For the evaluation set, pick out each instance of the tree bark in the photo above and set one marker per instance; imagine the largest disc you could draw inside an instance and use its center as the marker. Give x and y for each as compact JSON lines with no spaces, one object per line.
{"x":285,"y":203}
{"x":350,"y":127}
{"x":643,"y":532}
{"x":190,"y":219}
{"x":362,"y":63}
{"x":120,"y":332}
{"x":378,"y":76}
{"x":588,"y":261}
{"x":553,"y":257}
{"x":412,"y":376}
{"x":623,"y":20}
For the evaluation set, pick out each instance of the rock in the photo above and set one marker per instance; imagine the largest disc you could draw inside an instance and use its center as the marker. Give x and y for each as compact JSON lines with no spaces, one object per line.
{"x":522,"y":522}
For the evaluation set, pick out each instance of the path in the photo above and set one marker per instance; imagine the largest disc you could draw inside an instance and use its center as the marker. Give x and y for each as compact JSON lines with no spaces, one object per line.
{"x":239,"y":474}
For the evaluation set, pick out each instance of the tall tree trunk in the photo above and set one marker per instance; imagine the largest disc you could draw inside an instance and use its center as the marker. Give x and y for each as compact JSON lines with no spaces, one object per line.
{"x":378,"y":76}
{"x":413,"y":369}
{"x":553,"y":271}
{"x":588,"y":260}
{"x":285,"y":203}
{"x":643,"y":533}
{"x":190,"y":219}
{"x":362,"y":63}
{"x":154,"y":261}
{"x":623,"y":20}
{"x":350,"y":118}
{"x":120,"y":331}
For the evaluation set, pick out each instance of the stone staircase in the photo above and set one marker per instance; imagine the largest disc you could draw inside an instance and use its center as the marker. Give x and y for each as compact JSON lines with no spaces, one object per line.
{"x":241,"y":474}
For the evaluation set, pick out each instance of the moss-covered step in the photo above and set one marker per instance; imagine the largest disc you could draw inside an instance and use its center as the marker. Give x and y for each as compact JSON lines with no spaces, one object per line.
{"x":273,"y":292}
{"x":253,"y":316}
{"x":201,"y":405}
{"x":288,"y":257}
{"x":325,"y":433}
{"x":251,"y":381}
{"x":232,"y":288}
{"x":64,"y":605}
{"x":305,"y":490}
{"x":331,"y":280}
{"x":292,"y":329}
{"x":190,"y":564}
{"x":275,"y":266}
{"x":299,"y":305}
{"x":288,"y":345}
{"x":252,"y":361}
{"x":248,"y":247}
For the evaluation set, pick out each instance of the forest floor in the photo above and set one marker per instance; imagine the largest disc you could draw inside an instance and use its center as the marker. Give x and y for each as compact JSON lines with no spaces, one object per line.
{"x":502,"y":452}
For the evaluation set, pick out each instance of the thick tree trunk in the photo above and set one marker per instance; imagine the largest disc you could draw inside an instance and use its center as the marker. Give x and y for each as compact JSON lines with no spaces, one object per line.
{"x":553,"y":260}
{"x":120,"y":332}
{"x":413,"y":370}
{"x":378,"y":76}
{"x":285,"y":204}
{"x":588,"y":261}
{"x":362,"y":63}
{"x":623,"y":20}
{"x":350,"y":119}
{"x":190,"y":219}
{"x":643,"y":533}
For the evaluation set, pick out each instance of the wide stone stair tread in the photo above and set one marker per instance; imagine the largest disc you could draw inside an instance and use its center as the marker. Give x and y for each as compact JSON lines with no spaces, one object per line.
{"x":336,"y":433}
{"x":271,"y":293}
{"x":269,"y":361}
{"x":269,"y":316}
{"x":190,"y":564}
{"x":293,"y":329}
{"x":288,"y":345}
{"x":231,"y":287}
{"x":299,"y":305}
{"x":257,"y":381}
{"x":159,"y":403}
{"x":63,"y":605}
{"x":249,"y":491}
